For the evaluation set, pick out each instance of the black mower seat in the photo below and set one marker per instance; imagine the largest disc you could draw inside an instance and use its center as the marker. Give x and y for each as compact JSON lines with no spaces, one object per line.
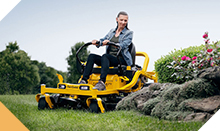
{"x":132,"y":50}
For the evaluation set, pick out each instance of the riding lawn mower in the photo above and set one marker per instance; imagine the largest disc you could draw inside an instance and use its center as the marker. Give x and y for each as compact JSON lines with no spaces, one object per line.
{"x":120,"y":82}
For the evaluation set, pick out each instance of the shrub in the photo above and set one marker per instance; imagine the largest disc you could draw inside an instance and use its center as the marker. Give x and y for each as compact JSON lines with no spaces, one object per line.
{"x":164,"y":73}
{"x":183,"y":107}
{"x":128,"y":103}
{"x":186,"y":68}
{"x":16,"y":93}
{"x":198,"y":88}
{"x":171,"y":93}
{"x":163,"y":108}
{"x":150,"y":104}
{"x":177,"y":115}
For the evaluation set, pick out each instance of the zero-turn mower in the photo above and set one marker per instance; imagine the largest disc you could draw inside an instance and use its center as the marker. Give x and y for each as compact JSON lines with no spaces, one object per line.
{"x":120,"y":81}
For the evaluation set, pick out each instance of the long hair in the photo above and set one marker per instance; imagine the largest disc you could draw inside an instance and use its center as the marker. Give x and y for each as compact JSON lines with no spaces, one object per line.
{"x":122,"y":13}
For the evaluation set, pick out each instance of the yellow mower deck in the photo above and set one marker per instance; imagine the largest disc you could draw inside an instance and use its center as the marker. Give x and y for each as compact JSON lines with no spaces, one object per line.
{"x":114,"y":85}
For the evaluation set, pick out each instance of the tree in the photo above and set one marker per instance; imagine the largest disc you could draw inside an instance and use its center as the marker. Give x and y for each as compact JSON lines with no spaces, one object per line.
{"x":12,"y":47}
{"x":21,"y":75}
{"x":47,"y":76}
{"x":73,"y":75}
{"x":17,"y":73}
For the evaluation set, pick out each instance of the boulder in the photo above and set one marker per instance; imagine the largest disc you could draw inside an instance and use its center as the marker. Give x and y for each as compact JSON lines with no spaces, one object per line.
{"x":198,"y":117}
{"x":137,"y":99}
{"x":210,"y":104}
{"x":195,"y":100}
{"x":212,"y":73}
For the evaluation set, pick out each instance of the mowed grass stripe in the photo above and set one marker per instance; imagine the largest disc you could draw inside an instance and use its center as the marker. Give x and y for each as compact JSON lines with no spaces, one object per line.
{"x":24,"y":107}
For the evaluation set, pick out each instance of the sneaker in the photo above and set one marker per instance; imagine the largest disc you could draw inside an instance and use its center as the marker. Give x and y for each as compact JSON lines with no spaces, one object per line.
{"x":100,"y":86}
{"x":82,"y":82}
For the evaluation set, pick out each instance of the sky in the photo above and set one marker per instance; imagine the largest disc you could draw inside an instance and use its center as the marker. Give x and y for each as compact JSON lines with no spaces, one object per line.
{"x":47,"y":30}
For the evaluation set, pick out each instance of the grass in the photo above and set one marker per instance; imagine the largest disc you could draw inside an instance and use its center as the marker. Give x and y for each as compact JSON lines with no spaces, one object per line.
{"x":24,"y":107}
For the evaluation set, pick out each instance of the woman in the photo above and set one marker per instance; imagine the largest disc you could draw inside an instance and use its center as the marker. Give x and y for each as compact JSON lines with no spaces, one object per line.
{"x":120,"y":35}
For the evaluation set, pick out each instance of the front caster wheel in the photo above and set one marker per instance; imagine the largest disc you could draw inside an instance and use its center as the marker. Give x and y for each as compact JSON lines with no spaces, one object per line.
{"x":42,"y":104}
{"x":94,"y":107}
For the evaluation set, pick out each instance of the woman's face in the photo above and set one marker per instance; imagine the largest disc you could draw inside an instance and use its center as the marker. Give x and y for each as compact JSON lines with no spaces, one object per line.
{"x":122,"y":21}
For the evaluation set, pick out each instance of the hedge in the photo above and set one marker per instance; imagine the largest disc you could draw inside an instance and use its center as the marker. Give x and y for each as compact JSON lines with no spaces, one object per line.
{"x":164,"y":73}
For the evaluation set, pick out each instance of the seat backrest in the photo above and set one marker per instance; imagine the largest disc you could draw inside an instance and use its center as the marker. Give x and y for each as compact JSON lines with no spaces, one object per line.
{"x":132,"y":50}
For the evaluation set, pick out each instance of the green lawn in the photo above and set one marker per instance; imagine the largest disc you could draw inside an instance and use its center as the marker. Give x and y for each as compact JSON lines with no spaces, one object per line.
{"x":24,"y":107}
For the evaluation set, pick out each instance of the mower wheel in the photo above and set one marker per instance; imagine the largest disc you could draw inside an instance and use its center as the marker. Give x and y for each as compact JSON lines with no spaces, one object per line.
{"x":94,"y":106}
{"x":42,"y":103}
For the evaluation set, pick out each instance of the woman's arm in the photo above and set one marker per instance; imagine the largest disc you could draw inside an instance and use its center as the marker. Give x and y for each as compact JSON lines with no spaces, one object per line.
{"x":106,"y":37}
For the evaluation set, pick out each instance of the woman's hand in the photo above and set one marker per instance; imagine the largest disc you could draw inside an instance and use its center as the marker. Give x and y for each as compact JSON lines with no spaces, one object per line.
{"x":94,"y":42}
{"x":105,"y":42}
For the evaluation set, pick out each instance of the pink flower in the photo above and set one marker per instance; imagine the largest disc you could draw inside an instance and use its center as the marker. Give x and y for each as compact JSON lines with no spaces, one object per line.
{"x":205,"y":35}
{"x":211,"y":58}
{"x":212,"y":64}
{"x":209,"y":50}
{"x":194,"y":58}
{"x":184,"y":57}
{"x":187,"y":58}
{"x":194,"y":62}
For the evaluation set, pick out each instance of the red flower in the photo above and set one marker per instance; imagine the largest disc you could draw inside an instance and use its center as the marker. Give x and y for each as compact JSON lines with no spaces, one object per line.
{"x":205,"y":35}
{"x":209,"y":50}
{"x":183,"y":58}
{"x":194,"y":58}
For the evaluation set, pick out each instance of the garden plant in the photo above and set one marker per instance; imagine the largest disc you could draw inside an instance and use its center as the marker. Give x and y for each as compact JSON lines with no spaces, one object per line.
{"x":187,"y":68}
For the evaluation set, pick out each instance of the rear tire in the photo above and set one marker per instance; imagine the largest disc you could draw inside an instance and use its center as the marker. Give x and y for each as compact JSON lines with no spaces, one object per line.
{"x":42,"y":104}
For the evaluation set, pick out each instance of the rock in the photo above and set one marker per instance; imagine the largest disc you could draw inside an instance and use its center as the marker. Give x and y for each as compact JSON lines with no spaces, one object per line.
{"x":137,"y":99}
{"x":211,"y":73}
{"x":195,"y":100}
{"x":198,"y":117}
{"x":209,"y":104}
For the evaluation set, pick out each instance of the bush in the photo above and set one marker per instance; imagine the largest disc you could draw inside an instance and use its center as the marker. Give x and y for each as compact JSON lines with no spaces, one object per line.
{"x":164,"y":108}
{"x":183,"y":107}
{"x":150,"y":104}
{"x":164,"y":73}
{"x":198,"y":88}
{"x":171,"y":93}
{"x":177,"y":115}
{"x":16,"y":93}
{"x":187,"y":68}
{"x":127,"y":104}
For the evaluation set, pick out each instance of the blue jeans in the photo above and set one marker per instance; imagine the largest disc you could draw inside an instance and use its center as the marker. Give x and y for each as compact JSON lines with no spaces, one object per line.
{"x":105,"y":61}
